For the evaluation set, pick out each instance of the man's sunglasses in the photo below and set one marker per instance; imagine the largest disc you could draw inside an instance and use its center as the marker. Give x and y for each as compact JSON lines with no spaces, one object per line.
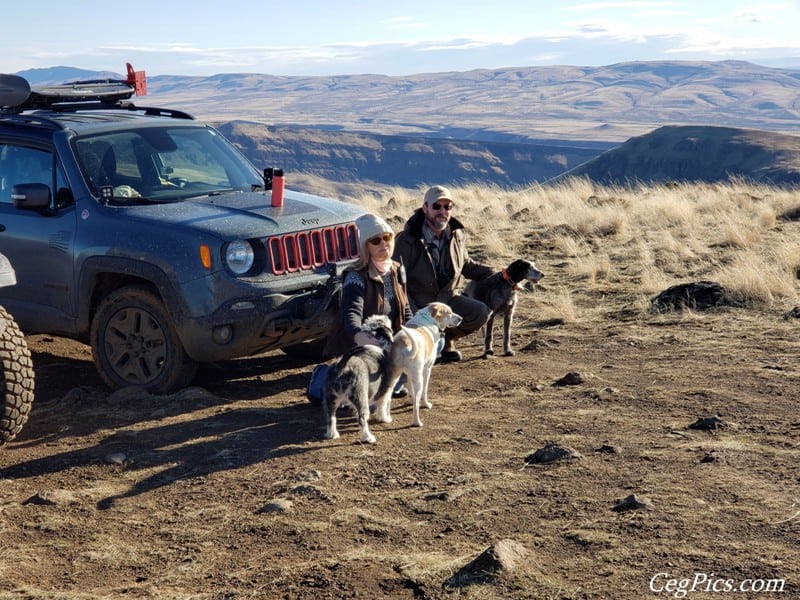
{"x":437,"y":206}
{"x":386,"y":237}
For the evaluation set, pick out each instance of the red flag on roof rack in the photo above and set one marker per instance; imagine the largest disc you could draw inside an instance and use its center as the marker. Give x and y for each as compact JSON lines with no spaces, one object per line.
{"x":138,"y":80}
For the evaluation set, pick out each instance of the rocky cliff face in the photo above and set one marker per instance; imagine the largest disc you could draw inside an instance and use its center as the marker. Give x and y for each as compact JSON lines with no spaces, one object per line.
{"x":403,"y":160}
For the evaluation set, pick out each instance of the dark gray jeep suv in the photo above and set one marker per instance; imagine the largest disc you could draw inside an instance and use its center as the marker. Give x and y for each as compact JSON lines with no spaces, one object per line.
{"x":147,"y":235}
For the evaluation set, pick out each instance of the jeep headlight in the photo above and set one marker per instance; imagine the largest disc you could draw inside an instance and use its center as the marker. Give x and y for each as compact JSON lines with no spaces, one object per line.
{"x":239,"y":257}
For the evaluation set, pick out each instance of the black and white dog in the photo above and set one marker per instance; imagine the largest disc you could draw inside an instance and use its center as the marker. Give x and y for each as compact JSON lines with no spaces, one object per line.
{"x":358,"y":377}
{"x":499,"y":293}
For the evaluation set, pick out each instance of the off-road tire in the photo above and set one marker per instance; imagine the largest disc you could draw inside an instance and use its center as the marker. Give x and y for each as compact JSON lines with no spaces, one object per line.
{"x":134,"y":343}
{"x":16,"y":378}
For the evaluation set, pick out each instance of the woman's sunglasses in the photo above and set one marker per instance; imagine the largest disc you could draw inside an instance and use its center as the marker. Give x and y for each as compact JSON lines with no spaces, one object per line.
{"x":386,"y":237}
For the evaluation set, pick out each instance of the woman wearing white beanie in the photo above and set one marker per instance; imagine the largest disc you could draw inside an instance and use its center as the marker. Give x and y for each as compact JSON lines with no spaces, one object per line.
{"x":374,"y":285}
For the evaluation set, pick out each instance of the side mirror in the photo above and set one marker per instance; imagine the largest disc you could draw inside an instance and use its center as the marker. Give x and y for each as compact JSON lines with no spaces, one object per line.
{"x":31,"y":196}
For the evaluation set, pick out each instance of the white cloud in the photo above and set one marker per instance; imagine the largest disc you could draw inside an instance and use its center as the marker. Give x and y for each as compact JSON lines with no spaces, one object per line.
{"x":404,"y":23}
{"x":603,"y":6}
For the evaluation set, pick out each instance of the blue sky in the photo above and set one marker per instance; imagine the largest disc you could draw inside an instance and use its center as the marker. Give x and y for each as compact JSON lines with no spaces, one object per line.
{"x":324,"y":37}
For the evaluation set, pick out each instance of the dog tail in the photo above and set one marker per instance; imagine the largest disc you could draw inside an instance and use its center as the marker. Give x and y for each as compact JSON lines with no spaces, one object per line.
{"x":402,"y":347}
{"x":401,"y":343}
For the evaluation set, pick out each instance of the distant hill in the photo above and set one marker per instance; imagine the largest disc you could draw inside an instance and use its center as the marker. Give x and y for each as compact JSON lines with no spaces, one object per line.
{"x":53,"y":75}
{"x":523,"y":104}
{"x":696,"y":153}
{"x":675,"y":120}
{"x":526,"y":104}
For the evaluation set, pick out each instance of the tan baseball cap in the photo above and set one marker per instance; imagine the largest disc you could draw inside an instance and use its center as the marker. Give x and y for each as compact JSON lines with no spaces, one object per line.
{"x":436,"y":193}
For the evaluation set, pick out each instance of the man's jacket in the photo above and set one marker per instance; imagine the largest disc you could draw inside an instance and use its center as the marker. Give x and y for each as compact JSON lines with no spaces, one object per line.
{"x":411,"y":251}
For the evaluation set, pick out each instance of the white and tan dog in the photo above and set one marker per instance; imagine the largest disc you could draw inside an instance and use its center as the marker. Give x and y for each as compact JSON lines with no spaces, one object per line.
{"x":413,"y":352}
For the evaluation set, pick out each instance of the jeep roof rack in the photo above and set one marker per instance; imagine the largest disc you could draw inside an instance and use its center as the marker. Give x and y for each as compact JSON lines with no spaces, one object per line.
{"x":17,"y":95}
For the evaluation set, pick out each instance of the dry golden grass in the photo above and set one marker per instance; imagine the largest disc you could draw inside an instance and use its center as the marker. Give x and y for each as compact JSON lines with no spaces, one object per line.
{"x":662,"y":234}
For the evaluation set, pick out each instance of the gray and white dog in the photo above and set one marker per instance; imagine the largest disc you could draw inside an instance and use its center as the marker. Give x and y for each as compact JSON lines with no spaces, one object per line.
{"x":499,"y":293}
{"x":358,"y":377}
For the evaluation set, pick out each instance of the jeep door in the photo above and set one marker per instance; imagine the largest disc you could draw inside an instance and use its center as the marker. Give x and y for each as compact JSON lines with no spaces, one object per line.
{"x":39,"y":243}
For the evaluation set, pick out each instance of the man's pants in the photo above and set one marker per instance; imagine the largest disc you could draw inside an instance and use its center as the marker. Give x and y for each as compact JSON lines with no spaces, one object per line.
{"x":473,"y":312}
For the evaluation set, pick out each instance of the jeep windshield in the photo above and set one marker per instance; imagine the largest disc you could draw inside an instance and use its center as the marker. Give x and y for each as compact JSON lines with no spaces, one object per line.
{"x":163,"y":164}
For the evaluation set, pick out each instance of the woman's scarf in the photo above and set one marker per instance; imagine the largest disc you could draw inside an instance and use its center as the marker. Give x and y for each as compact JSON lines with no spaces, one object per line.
{"x":382,"y":266}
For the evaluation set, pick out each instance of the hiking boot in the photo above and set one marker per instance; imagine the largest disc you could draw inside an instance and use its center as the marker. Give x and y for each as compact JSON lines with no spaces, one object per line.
{"x":401,"y":391}
{"x":449,"y":353}
{"x":450,"y":356}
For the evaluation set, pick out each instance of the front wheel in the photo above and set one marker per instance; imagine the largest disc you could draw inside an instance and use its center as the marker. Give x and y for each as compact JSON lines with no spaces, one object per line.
{"x":16,"y":378}
{"x":134,"y":343}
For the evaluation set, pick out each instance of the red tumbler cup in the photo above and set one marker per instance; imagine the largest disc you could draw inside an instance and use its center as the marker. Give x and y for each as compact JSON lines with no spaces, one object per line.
{"x":277,"y":187}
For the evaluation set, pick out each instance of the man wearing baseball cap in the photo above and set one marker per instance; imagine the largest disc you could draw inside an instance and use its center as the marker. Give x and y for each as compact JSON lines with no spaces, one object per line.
{"x":433,"y":249}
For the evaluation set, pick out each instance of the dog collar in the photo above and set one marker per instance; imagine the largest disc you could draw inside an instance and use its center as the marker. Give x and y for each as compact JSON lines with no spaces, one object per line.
{"x":511,"y":282}
{"x":427,"y":318}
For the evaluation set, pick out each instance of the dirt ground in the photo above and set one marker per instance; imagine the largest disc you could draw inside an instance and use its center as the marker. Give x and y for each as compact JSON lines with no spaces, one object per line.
{"x":227,"y":489}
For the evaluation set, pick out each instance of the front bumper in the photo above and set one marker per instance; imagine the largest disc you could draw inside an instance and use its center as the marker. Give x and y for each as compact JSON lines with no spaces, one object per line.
{"x":247,"y":327}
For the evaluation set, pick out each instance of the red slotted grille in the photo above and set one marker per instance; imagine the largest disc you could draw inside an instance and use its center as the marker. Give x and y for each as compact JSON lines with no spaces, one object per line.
{"x":305,"y":250}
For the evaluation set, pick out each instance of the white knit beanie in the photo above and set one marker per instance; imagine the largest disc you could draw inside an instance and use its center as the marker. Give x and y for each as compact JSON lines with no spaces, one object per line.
{"x":370,"y":226}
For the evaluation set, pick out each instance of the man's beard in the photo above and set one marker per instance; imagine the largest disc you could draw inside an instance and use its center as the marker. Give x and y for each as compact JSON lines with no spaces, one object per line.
{"x":436,"y":225}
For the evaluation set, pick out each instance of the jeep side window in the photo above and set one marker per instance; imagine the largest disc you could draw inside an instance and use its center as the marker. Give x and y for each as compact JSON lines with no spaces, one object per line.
{"x":20,"y":164}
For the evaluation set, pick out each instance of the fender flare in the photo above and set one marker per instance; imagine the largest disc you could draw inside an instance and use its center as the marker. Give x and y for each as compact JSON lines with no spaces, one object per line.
{"x":125,"y":268}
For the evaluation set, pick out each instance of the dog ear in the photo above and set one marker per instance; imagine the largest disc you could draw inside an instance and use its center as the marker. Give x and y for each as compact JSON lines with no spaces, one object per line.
{"x":436,"y":309}
{"x":517,"y":269}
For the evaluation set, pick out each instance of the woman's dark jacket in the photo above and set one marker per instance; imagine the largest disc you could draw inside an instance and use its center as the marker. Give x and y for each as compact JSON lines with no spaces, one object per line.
{"x":362,"y":297}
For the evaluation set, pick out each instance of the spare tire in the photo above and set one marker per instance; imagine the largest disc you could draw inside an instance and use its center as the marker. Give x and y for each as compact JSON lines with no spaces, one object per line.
{"x":16,"y":378}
